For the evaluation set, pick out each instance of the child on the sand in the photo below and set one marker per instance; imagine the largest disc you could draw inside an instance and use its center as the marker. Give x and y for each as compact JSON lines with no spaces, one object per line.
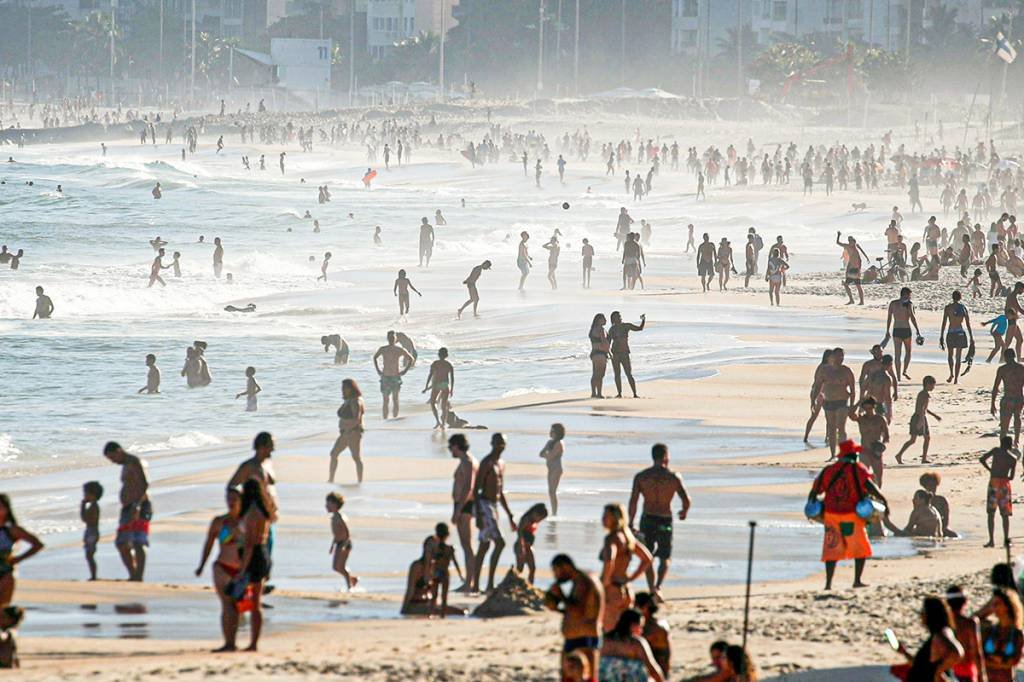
{"x":90,"y":514}
{"x":975,"y":284}
{"x":527,"y":534}
{"x":10,"y":619}
{"x":999,"y":326}
{"x":341,"y":545}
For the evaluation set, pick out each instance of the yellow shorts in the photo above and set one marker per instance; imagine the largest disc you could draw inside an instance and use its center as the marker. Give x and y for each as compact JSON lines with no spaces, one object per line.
{"x":846,"y":537}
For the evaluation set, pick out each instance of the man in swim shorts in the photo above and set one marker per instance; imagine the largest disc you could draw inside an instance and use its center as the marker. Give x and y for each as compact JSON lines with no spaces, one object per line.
{"x":658,"y":485}
{"x":464,"y":481}
{"x":899,"y":318}
{"x":706,"y":259}
{"x":391,"y":371}
{"x":1000,"y":495}
{"x":1011,"y":376}
{"x":136,"y":511}
{"x":489,"y":490}
{"x":851,"y":253}
{"x":582,"y":608}
{"x":835,"y":381}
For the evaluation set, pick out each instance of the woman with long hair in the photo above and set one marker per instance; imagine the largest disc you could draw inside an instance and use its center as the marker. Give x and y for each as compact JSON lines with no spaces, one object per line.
{"x":939,"y":653}
{"x":817,"y":400}
{"x":552,"y":454}
{"x":350,"y":428}
{"x":225,"y":531}
{"x":620,"y":546}
{"x":1002,"y":642}
{"x":255,"y":556}
{"x":10,"y":534}
{"x":598,"y":355}
{"x":625,"y":654}
{"x":774,"y":272}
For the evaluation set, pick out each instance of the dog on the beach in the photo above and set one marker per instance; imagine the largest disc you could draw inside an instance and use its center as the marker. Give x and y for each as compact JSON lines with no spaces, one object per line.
{"x":860,"y":208}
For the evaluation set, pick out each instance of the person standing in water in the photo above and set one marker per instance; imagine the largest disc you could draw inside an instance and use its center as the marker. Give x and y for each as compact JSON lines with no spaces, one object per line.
{"x":251,"y":390}
{"x":588,"y":262}
{"x":553,"y":251}
{"x":658,"y":485}
{"x":470,"y":282}
{"x":44,"y":306}
{"x":618,"y":337}
{"x":350,"y":428}
{"x":488,"y":491}
{"x":523,"y":261}
{"x":401,"y":290}
{"x":218,"y":257}
{"x":441,"y":384}
{"x":323,"y":267}
{"x":689,"y":239}
{"x":391,"y":371}
{"x":552,"y":453}
{"x":136,"y":511}
{"x":464,"y":482}
{"x":155,"y":268}
{"x":706,"y":259}
{"x":598,"y":355}
{"x":152,"y":376}
{"x":426,"y":241}
{"x":280,"y":162}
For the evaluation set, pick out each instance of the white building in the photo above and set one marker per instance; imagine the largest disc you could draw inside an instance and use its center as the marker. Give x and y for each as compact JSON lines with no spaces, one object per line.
{"x":302,"y":64}
{"x":388,"y":22}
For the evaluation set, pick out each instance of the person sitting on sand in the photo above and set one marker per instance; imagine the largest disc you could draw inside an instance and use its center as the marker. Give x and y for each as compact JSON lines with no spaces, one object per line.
{"x":939,"y":653}
{"x":930,"y":481}
{"x":420,"y":599}
{"x":843,"y":484}
{"x":1000,"y":495}
{"x":582,"y":609}
{"x":341,"y":544}
{"x":251,"y":308}
{"x":225,"y":531}
{"x":717,"y":653}
{"x":438,"y":555}
{"x":924,"y":520}
{"x":656,"y":632}
{"x":625,"y":654}
{"x":526,"y":535}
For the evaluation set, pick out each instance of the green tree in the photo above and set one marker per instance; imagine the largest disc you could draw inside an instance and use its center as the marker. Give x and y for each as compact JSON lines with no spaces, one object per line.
{"x":774,"y":65}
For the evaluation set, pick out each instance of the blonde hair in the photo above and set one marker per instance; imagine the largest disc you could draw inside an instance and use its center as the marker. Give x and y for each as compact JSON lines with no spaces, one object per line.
{"x":618,"y":513}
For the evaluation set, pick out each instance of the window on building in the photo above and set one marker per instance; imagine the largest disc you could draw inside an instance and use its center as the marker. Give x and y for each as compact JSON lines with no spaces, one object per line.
{"x":779,"y":10}
{"x":690,"y":8}
{"x":233,"y":9}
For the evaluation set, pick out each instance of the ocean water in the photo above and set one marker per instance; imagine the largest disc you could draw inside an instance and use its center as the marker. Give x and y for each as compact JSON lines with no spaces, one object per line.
{"x":69,"y":384}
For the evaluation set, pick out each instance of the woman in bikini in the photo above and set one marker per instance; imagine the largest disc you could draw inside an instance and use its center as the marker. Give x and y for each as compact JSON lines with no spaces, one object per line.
{"x":10,"y":534}
{"x":350,"y":428}
{"x":774,"y":273}
{"x":818,"y":400}
{"x":598,"y":355}
{"x":224,"y":531}
{"x":619,"y":549}
{"x":625,"y":654}
{"x":1003,"y":641}
{"x":552,"y":453}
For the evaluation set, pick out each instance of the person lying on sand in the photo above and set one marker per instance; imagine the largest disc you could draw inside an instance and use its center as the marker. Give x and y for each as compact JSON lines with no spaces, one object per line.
{"x":251,"y":308}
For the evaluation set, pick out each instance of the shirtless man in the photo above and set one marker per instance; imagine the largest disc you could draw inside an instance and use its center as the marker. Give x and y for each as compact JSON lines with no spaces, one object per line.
{"x":218,"y":257}
{"x":156,"y":267}
{"x":582,"y":608}
{"x":873,"y":365}
{"x":874,"y":434}
{"x":391,"y":371}
{"x":658,"y":485}
{"x":835,"y":381}
{"x":932,"y":233}
{"x":881,"y":386}
{"x":441,"y":384}
{"x":706,"y":259}
{"x":462,"y":502}
{"x":401,"y":289}
{"x":470,"y":282}
{"x":426,"y":241}
{"x":725,"y":265}
{"x":259,"y":468}
{"x":340,"y":347}
{"x":955,"y":340}
{"x":1011,"y":376}
{"x":750,"y":253}
{"x":523,"y":260}
{"x":44,"y":306}
{"x":136,"y":511}
{"x":1013,"y":315}
{"x":853,"y":267}
{"x":892,"y":234}
{"x":897,"y":328}
{"x":488,"y":491}
{"x":1001,"y":471}
{"x":618,"y":337}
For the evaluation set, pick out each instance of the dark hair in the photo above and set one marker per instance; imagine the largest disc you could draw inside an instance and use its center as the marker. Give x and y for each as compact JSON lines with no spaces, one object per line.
{"x":563,"y":560}
{"x":5,"y":500}
{"x":111,"y":447}
{"x":936,"y":614}
{"x":93,"y":488}
{"x":645,"y":600}
{"x":14,"y":614}
{"x":1006,"y":442}
{"x":352,"y":386}
{"x":957,"y":602}
{"x":540,"y":509}
{"x":459,"y":440}
{"x":336,"y":499}
{"x":252,"y":494}
{"x":1002,"y":576}
{"x":739,"y":661}
{"x":629,"y":619}
{"x":719,"y":645}
{"x":441,"y":530}
{"x":932,"y":475}
{"x":658,"y":451}
{"x":262,"y":439}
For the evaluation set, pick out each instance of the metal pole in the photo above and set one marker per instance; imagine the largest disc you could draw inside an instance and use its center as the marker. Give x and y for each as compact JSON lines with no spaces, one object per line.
{"x":576,"y":52}
{"x":540,"y":47}
{"x":440,"y":60}
{"x":351,"y":51}
{"x":622,"y":57}
{"x":558,"y":46}
{"x":28,"y":64}
{"x":192,"y":75}
{"x":739,"y":49}
{"x":750,"y":568}
{"x":160,"y":60}
{"x":113,"y":30}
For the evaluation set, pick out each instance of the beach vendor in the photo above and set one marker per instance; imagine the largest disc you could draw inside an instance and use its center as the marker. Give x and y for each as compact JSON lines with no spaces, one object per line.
{"x":843,"y":485}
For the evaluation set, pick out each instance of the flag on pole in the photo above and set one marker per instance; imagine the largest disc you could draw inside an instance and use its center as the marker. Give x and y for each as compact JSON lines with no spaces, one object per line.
{"x":1004,"y":50}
